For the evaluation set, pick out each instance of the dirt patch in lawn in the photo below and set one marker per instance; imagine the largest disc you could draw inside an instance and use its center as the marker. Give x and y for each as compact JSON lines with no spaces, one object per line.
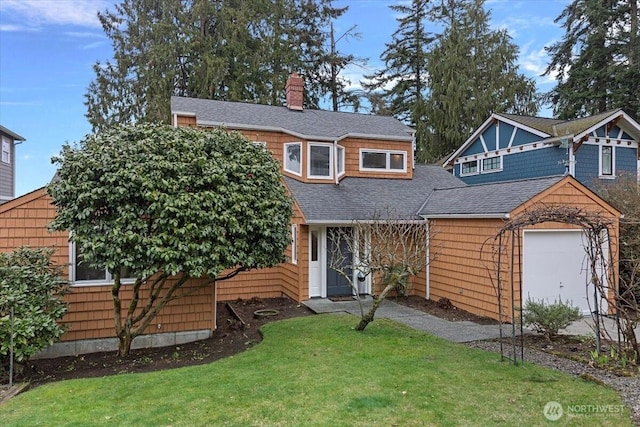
{"x":231,"y":337}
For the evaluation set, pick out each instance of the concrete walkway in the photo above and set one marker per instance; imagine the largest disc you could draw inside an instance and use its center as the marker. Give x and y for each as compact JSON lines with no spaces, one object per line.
{"x":463,"y":331}
{"x":453,"y":331}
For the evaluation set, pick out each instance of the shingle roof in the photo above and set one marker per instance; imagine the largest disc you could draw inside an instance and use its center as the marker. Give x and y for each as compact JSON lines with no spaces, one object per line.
{"x":321,"y":124}
{"x":556,"y":127}
{"x":359,"y":198}
{"x":11,"y":133}
{"x":498,"y":198}
{"x":542,"y":124}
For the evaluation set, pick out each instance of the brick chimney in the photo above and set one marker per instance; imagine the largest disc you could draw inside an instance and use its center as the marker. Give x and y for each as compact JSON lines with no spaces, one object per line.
{"x":295,"y":92}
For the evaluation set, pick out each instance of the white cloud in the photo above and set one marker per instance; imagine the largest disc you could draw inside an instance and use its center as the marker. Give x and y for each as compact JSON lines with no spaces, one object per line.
{"x":534,"y":63}
{"x":35,"y":13}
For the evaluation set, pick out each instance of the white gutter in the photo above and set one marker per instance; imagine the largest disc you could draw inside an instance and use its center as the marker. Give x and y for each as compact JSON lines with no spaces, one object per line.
{"x":467,"y":216}
{"x":240,"y":126}
{"x":348,"y":223}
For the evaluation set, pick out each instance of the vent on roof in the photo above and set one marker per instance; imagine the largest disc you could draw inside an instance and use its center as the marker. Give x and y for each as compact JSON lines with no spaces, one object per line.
{"x":295,"y":92}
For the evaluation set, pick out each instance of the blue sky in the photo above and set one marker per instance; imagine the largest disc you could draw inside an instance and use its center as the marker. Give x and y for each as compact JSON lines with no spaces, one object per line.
{"x":48,"y":47}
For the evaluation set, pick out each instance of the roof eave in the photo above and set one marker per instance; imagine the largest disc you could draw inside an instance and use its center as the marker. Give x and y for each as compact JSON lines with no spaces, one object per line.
{"x":331,"y":138}
{"x":12,"y":134}
{"x":502,"y":215}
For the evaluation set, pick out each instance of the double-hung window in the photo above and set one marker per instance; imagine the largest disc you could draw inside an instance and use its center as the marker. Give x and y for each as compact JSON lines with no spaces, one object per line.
{"x":293,"y":157}
{"x":469,"y":168}
{"x":383,"y":160}
{"x":607,"y":161}
{"x":492,"y":164}
{"x":6,"y":150}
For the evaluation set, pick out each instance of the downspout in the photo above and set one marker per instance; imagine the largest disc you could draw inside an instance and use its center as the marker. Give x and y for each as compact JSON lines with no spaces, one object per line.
{"x":427,"y":292}
{"x":175,"y":120}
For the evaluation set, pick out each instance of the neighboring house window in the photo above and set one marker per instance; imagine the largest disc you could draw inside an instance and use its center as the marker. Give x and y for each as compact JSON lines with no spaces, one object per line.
{"x":320,"y":160}
{"x":394,"y":161}
{"x":492,"y":164}
{"x":82,"y":273}
{"x":6,"y":150}
{"x":292,"y":156}
{"x":606,"y":160}
{"x":469,"y":168}
{"x":294,"y":243}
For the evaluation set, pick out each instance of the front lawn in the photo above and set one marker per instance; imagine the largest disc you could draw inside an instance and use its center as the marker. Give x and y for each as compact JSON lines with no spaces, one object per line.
{"x":318,"y":371}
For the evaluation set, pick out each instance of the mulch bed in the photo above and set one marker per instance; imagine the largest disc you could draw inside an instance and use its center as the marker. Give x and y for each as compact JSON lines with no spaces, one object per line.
{"x":231,"y":337}
{"x":238,"y":330}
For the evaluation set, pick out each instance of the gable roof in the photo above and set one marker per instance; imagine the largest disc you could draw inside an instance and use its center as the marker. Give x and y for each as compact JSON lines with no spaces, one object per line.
{"x":484,"y":200}
{"x":11,"y":133}
{"x":307,"y":124}
{"x":359,"y":198}
{"x":552,"y":129}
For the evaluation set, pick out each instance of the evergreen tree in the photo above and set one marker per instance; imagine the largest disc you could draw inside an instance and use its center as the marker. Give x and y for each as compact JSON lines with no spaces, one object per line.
{"x":597,"y":60}
{"x":230,"y":50}
{"x":473,"y":73}
{"x":400,"y":88}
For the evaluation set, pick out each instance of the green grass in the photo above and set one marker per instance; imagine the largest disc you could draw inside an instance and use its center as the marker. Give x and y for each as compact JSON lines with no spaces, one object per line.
{"x":318,"y":371}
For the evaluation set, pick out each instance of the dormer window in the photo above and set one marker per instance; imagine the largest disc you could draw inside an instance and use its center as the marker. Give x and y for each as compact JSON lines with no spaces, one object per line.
{"x":320,"y":160}
{"x":383,"y":160}
{"x":292,"y":157}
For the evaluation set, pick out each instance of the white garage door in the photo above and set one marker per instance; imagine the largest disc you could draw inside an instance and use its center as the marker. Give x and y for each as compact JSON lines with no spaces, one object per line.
{"x":555,"y":266}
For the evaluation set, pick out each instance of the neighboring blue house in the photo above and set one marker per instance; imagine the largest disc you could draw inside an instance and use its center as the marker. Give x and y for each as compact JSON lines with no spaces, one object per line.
{"x":508,"y":147}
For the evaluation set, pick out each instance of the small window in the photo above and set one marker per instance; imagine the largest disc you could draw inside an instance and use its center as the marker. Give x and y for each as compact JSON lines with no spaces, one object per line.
{"x":491,"y":164}
{"x":314,"y":245}
{"x":6,"y":151}
{"x":606,"y":160}
{"x":340,"y":160}
{"x":82,"y":273}
{"x":469,"y":168}
{"x":294,"y":243}
{"x":292,"y":156}
{"x":395,"y":161}
{"x":320,"y":160}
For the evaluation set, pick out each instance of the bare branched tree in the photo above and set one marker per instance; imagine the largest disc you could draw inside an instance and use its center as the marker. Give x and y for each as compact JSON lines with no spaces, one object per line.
{"x":387,"y":249}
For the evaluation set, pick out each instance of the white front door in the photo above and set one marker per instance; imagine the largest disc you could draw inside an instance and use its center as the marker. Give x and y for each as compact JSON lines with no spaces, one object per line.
{"x":316,"y":257}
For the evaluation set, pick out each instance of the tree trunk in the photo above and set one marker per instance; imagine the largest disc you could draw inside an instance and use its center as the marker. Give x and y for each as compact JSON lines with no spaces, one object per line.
{"x":377,"y":300}
{"x":124,"y":345}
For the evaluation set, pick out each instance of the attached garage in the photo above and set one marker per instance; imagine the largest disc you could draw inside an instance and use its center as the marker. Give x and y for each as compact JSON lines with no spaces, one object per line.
{"x":549,"y":259}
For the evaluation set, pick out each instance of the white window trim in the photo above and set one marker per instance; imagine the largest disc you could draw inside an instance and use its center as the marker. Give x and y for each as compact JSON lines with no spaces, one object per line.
{"x":284,"y":158}
{"x":320,"y":144}
{"x":6,"y":148}
{"x":613,"y":163}
{"x":294,"y":243}
{"x":340,"y":153}
{"x":388,"y":160}
{"x":476,"y":172}
{"x":108,"y":280}
{"x":483,"y":171}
